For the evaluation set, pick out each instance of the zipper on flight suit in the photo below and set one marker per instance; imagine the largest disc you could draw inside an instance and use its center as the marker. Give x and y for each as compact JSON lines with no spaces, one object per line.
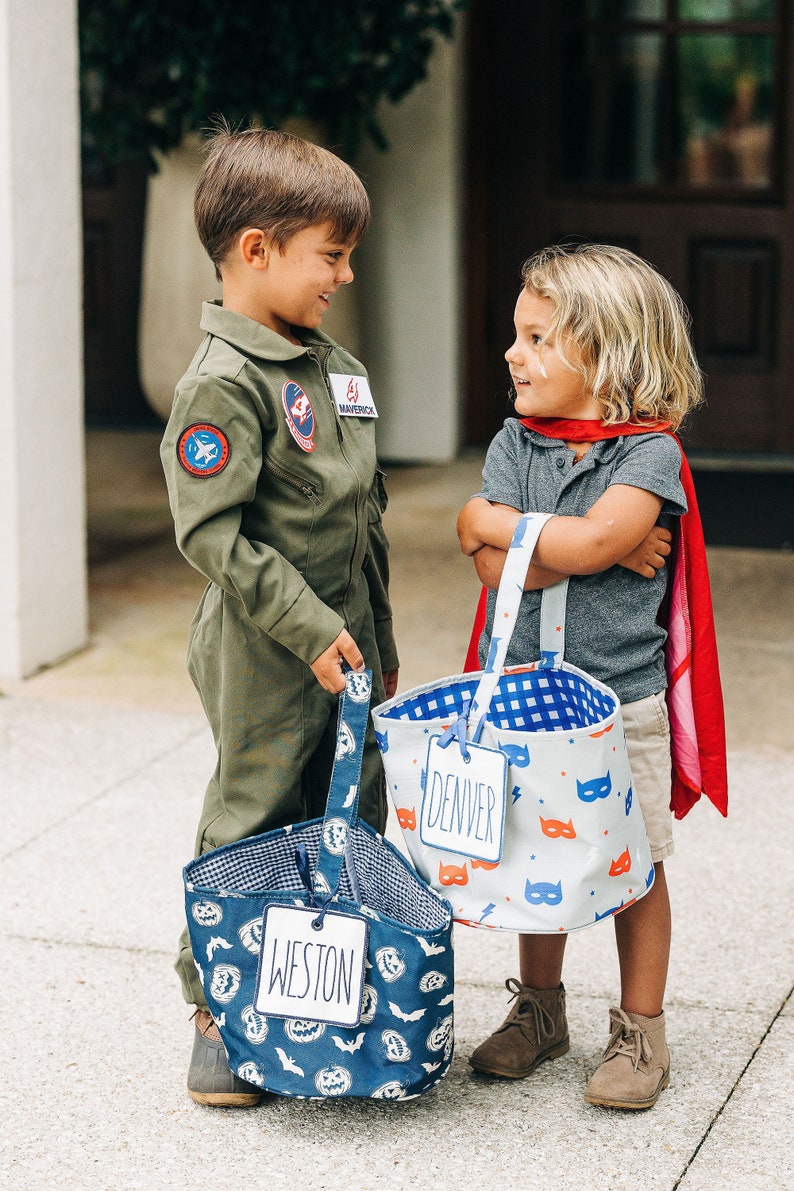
{"x":322,"y":364}
{"x":302,"y":486}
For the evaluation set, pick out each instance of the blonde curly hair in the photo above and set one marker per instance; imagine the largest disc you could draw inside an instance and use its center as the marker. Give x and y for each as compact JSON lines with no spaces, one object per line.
{"x":629,"y":325}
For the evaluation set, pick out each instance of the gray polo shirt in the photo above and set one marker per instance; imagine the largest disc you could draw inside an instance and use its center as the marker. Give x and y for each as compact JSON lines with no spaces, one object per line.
{"x":610,"y":629}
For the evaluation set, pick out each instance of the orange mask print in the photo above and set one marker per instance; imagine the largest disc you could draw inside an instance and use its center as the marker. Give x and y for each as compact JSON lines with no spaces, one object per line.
{"x":451,"y":874}
{"x":486,"y":864}
{"x":407,"y":818}
{"x":556,"y":829}
{"x":621,"y":865}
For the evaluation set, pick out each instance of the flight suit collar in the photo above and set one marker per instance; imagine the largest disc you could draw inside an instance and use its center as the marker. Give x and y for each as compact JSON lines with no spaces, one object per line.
{"x":255,"y":340}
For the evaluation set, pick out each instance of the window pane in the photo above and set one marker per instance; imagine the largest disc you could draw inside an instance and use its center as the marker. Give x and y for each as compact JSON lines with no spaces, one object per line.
{"x":725,"y":110}
{"x":726,"y":10}
{"x":611,"y":98}
{"x":615,"y":10}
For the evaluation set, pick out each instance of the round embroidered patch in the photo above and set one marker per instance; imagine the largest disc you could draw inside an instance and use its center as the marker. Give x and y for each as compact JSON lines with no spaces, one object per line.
{"x":203,"y":449}
{"x":300,"y":415}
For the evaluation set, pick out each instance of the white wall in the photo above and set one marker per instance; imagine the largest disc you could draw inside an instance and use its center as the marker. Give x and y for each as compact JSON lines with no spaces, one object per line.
{"x":42,"y":506}
{"x":408,"y":268}
{"x":176,"y":277}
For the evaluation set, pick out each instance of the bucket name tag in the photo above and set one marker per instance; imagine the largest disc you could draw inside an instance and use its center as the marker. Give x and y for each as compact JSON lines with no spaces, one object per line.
{"x":352,"y":396}
{"x":310,"y":972}
{"x":463,"y":806}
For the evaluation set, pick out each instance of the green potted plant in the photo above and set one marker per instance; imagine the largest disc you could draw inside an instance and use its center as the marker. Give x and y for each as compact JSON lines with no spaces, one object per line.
{"x":154,"y":70}
{"x":154,"y":73}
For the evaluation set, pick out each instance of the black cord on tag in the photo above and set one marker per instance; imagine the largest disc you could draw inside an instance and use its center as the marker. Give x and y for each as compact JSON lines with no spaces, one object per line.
{"x":305,"y":874}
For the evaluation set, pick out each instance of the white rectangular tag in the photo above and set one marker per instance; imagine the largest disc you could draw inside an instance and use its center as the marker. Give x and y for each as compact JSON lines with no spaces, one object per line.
{"x":352,"y":395}
{"x":463,"y":805}
{"x":309,"y":972}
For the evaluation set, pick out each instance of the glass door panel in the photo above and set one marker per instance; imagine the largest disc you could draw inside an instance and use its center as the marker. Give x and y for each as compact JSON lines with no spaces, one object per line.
{"x":726,"y":10}
{"x":611,"y":110}
{"x":680,"y":96}
{"x":725,"y":85}
{"x":616,"y":10}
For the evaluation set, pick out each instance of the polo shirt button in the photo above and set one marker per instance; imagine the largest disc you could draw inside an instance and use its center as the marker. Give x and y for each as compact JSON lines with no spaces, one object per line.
{"x":560,"y":462}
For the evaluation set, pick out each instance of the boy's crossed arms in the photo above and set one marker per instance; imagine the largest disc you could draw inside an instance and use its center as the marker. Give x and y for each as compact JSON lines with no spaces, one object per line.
{"x":620,"y":529}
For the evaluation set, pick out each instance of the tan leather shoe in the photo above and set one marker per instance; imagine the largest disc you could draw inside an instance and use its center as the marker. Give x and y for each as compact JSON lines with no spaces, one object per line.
{"x":534,"y":1030}
{"x":210,"y":1079}
{"x":636,"y":1063}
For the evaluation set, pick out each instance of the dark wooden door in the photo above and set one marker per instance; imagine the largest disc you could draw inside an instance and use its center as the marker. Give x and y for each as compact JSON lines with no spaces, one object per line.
{"x":660,"y":125}
{"x":113,"y":218}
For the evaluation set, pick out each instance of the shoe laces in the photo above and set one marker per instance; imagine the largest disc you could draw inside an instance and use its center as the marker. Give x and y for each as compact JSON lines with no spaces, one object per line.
{"x":627,"y":1038}
{"x":206,"y":1025}
{"x":527,"y":1001}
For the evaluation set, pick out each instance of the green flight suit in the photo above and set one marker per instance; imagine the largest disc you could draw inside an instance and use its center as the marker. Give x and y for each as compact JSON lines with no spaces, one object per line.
{"x":277,"y":499}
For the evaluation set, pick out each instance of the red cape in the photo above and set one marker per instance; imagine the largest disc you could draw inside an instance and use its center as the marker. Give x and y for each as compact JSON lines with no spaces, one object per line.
{"x":694,"y":692}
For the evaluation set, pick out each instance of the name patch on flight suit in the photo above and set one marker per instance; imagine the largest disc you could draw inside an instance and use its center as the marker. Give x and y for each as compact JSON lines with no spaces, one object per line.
{"x":352,"y":396}
{"x":300,"y":415}
{"x":203,"y":449}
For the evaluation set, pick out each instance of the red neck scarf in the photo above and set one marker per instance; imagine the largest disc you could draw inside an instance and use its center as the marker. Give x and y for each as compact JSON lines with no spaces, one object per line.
{"x":570,"y":430}
{"x":694,"y":692}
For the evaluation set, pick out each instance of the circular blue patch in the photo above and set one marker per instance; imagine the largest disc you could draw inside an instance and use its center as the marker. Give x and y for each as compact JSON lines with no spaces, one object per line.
{"x":203,"y":449}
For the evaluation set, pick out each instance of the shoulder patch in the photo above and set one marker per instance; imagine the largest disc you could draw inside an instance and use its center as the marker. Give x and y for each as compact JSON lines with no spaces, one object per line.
{"x":203,"y":449}
{"x":300,"y":415}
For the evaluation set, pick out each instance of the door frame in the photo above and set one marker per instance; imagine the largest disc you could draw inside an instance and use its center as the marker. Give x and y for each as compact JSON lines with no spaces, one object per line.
{"x":491,"y":284}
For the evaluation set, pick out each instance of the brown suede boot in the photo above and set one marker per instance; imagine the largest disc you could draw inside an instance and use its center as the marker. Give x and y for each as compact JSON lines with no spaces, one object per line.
{"x":636,"y":1063}
{"x":210,"y":1079}
{"x":534,"y":1030}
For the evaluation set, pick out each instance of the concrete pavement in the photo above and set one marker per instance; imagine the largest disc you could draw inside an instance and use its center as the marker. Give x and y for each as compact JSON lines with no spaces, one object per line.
{"x":104,"y":761}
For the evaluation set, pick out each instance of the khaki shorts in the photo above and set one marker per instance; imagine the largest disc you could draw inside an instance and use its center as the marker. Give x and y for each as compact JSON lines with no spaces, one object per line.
{"x":648,"y":744}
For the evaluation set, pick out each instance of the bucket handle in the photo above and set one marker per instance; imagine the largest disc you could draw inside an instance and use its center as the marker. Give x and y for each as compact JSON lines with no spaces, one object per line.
{"x":508,"y":601}
{"x":341,"y":811}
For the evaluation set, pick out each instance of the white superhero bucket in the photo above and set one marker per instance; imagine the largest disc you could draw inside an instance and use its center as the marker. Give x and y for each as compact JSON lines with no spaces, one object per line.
{"x":563,"y":845}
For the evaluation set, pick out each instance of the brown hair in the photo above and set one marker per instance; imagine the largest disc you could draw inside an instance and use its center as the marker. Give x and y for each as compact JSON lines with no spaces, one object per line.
{"x":629,"y":325}
{"x":277,"y":182}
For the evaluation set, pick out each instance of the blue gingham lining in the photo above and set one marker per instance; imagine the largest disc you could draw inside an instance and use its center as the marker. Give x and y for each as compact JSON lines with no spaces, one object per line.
{"x":543,"y":700}
{"x":434,"y":703}
{"x":548,"y":701}
{"x":262,"y":865}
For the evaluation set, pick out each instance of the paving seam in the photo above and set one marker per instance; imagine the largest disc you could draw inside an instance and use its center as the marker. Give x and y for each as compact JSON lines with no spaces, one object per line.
{"x":728,"y":1098}
{"x":87,"y":945}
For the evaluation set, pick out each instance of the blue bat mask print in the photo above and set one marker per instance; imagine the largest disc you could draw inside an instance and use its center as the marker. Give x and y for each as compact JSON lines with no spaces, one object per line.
{"x":543,"y":893}
{"x":597,"y":787}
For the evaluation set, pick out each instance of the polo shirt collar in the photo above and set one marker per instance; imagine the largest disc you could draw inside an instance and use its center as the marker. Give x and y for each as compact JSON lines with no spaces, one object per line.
{"x":603,"y":450}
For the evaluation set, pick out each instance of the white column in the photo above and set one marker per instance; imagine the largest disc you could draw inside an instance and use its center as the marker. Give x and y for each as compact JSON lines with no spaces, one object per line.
{"x":43,"y":604}
{"x":409,"y":267}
